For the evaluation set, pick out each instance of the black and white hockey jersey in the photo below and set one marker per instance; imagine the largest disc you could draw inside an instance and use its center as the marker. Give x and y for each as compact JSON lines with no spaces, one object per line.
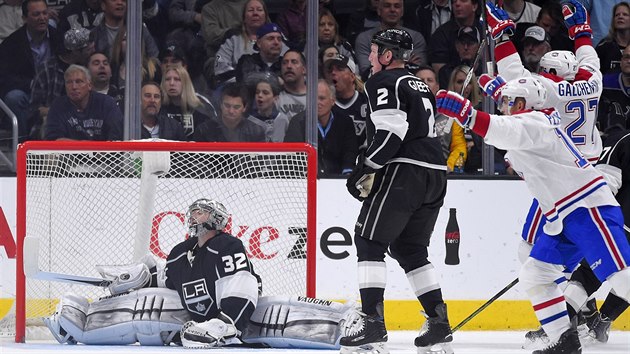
{"x":401,"y":123}
{"x":215,"y":277}
{"x":615,"y":163}
{"x":356,"y":109}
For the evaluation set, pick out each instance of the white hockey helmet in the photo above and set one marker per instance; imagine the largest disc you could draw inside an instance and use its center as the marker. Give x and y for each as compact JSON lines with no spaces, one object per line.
{"x":528,"y":88}
{"x":217,"y":216}
{"x":561,"y":63}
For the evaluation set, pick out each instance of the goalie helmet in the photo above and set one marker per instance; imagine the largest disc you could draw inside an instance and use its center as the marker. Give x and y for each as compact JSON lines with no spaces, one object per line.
{"x":217,"y":216}
{"x":397,"y":40}
{"x":527,"y":88}
{"x":561,"y":63}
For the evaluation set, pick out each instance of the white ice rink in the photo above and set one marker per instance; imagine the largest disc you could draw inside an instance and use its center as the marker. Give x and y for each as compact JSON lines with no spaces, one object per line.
{"x":400,"y":342}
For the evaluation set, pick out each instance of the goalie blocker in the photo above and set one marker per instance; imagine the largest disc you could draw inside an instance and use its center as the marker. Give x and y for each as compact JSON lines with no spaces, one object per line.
{"x":155,"y":316}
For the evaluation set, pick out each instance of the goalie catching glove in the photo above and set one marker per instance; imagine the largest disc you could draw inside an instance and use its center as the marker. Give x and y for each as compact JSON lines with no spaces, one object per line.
{"x":128,"y":277}
{"x":360,"y":181}
{"x":216,"y":332}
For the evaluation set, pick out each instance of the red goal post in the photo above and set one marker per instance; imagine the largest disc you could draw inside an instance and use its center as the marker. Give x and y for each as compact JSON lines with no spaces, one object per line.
{"x":93,"y":203}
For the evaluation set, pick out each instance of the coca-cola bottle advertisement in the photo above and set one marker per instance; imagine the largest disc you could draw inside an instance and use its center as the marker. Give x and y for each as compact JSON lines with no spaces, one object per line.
{"x":451,"y":238}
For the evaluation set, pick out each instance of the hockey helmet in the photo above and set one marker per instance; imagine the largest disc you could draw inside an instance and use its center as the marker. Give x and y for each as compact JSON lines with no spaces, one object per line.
{"x":528,"y":88}
{"x":217,"y":216}
{"x":561,"y":63}
{"x":398,"y":41}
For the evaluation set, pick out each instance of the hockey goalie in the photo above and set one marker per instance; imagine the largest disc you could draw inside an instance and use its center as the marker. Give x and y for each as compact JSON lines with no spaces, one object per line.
{"x":205,"y":296}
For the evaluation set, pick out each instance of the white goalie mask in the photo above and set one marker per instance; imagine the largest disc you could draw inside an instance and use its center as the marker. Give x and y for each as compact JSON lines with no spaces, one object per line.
{"x":206,"y":214}
{"x":562,"y":63}
{"x":527,"y":88}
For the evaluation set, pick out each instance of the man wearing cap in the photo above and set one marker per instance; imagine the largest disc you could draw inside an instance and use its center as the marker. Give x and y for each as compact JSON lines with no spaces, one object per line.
{"x":466,"y":45}
{"x":20,"y":54}
{"x":350,"y":101}
{"x":83,"y":114}
{"x":49,"y":82}
{"x":536,"y":43}
{"x":269,"y":39}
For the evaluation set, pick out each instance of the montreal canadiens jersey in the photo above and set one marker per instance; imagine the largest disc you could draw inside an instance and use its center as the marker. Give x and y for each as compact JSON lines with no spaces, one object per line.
{"x":215,"y":277}
{"x":401,"y":122}
{"x":616,"y":159}
{"x":576,"y":101}
{"x":554,"y":170}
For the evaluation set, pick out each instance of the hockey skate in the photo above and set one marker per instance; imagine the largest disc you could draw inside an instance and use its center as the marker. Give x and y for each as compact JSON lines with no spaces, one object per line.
{"x":535,"y":339}
{"x":435,"y":335}
{"x":364,"y":334}
{"x":568,"y":343}
{"x":598,"y":326}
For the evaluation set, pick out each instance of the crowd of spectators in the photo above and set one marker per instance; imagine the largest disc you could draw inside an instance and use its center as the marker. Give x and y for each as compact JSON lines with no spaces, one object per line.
{"x":234,"y":70}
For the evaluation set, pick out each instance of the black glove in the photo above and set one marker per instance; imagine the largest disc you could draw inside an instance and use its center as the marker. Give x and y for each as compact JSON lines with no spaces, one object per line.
{"x":359,"y":182}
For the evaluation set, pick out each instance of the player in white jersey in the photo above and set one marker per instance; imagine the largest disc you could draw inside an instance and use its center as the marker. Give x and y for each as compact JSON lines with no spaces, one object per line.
{"x":583,"y":218}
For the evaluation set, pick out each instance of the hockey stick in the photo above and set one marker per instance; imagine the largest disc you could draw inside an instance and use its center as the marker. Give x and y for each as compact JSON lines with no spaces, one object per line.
{"x":479,"y":50}
{"x":484,"y":306}
{"x":31,"y":268}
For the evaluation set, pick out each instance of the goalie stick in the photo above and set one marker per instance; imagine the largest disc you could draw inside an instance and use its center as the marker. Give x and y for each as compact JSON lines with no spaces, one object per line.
{"x":485,"y":305}
{"x":31,"y":268}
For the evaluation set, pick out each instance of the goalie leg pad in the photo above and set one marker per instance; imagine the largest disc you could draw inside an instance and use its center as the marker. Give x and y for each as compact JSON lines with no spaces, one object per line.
{"x":296,"y":322}
{"x":151,"y":316}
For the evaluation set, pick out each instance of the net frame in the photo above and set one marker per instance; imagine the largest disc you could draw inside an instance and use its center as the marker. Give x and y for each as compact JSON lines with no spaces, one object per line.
{"x":156,"y":146}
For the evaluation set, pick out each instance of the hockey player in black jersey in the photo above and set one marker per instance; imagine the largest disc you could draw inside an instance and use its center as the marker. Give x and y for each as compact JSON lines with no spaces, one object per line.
{"x":401,"y":179}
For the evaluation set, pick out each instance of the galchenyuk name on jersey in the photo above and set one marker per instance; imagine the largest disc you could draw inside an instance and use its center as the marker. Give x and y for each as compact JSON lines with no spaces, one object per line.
{"x":581,"y":88}
{"x":311,"y":300}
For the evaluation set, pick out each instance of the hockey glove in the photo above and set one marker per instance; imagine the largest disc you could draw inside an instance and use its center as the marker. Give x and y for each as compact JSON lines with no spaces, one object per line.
{"x":360,"y":181}
{"x":499,"y":21}
{"x":216,"y":332}
{"x":455,"y":106}
{"x":492,"y":86}
{"x":576,"y":19}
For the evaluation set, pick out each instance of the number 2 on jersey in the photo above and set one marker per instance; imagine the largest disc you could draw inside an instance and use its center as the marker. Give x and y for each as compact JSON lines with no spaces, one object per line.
{"x":234,"y":262}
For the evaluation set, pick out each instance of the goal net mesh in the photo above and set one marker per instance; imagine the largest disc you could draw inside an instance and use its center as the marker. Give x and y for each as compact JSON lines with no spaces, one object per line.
{"x":111,"y":207}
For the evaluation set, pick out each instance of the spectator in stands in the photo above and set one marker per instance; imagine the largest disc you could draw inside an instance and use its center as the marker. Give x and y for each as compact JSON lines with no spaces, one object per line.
{"x":536,"y":43}
{"x":363,"y":20}
{"x":83,"y":114}
{"x":20,"y":54}
{"x":350,"y":100}
{"x":610,"y":48}
{"x":337,"y":147}
{"x":180,"y":101}
{"x":329,"y":33}
{"x":114,"y":12}
{"x":251,"y":67}
{"x":615,"y":99}
{"x":80,"y":13}
{"x":466,"y":44}
{"x":266,"y":96}
{"x":292,"y":99}
{"x":451,"y":134}
{"x":292,"y":21}
{"x":390,"y":12}
{"x":10,"y":17}
{"x":218,"y":17}
{"x":101,"y":74}
{"x":550,"y":18}
{"x":521,"y":10}
{"x":600,"y":16}
{"x":325,"y":52}
{"x":155,"y":124}
{"x":234,"y":124}
{"x":428,"y":16}
{"x":151,"y":69}
{"x":241,"y":41}
{"x":49,"y":82}
{"x":442,"y":50}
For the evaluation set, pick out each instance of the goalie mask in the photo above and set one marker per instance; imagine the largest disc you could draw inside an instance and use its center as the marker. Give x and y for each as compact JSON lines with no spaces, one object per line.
{"x":204,"y":215}
{"x":561,"y":63}
{"x":527,"y":88}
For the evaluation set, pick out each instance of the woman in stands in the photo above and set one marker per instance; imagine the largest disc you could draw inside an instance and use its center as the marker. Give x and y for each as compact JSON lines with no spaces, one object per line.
{"x":609,"y":49}
{"x":240,"y":41}
{"x":329,"y":34}
{"x":179,"y":100}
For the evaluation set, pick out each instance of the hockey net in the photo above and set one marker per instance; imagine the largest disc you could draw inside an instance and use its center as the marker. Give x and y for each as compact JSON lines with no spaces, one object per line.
{"x":89,"y":204}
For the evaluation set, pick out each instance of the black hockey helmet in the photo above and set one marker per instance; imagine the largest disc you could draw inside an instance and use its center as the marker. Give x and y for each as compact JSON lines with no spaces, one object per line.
{"x":397,"y":40}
